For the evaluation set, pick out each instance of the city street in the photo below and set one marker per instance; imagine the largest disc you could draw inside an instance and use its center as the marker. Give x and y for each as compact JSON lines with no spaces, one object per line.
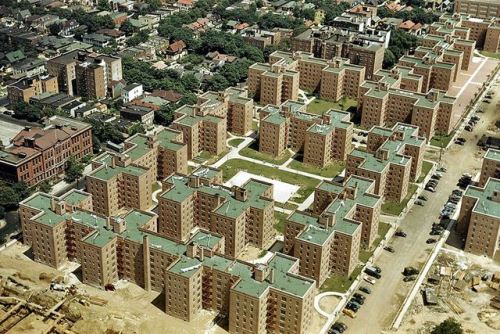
{"x":390,"y":291}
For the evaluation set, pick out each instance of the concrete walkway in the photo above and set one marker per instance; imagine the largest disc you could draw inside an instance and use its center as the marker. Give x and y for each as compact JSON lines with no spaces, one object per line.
{"x":333,"y":315}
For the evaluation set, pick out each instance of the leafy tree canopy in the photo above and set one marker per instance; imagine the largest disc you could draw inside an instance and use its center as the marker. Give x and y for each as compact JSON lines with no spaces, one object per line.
{"x":449,"y":326}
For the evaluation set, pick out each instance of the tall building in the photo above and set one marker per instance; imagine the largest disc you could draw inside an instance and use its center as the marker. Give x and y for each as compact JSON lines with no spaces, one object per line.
{"x":484,"y":31}
{"x":393,"y":158}
{"x":241,"y":214}
{"x":116,"y":183}
{"x":491,"y":166}
{"x":483,"y":9}
{"x":322,"y":139}
{"x":195,"y":274}
{"x":361,"y":48}
{"x":205,"y":124}
{"x":385,"y":102}
{"x":332,"y":78}
{"x":479,"y":219}
{"x":86,"y":74}
{"x":39,"y":154}
{"x":328,"y":240}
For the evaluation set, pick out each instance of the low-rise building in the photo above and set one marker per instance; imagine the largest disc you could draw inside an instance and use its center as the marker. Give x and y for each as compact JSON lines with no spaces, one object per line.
{"x":131,"y":92}
{"x":393,"y":158}
{"x":26,"y":88}
{"x":483,"y":9}
{"x":322,"y":139}
{"x":39,"y":154}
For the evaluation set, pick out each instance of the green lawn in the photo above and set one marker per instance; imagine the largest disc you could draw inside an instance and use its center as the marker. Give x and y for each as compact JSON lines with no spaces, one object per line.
{"x":155,"y":186}
{"x":235,"y":142}
{"x":319,"y":106}
{"x":442,"y":140}
{"x":280,"y":218}
{"x":339,"y":283}
{"x":394,"y":208}
{"x":307,"y":184}
{"x":365,"y":254}
{"x":287,"y":205}
{"x":426,"y":167}
{"x":252,"y":151}
{"x":208,"y":158}
{"x":490,"y":54}
{"x":255,"y":126}
{"x":330,"y":170}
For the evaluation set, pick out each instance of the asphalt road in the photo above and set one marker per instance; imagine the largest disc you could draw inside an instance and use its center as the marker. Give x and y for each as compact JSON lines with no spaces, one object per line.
{"x":388,"y":293}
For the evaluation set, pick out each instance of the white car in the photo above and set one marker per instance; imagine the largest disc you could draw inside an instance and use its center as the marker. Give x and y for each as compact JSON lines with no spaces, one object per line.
{"x":369,"y":280}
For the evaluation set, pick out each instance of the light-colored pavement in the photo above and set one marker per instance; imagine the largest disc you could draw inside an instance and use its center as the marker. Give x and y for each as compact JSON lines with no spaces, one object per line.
{"x":390,"y":291}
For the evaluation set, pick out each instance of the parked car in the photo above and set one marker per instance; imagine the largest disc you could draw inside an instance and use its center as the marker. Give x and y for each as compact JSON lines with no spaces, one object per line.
{"x":353,"y":306}
{"x":468,"y":128}
{"x":457,"y":192}
{"x":422,"y":197}
{"x":354,"y":139}
{"x":442,"y":169}
{"x":365,"y":289}
{"x":409,"y":278}
{"x":436,"y":232}
{"x":461,"y":143}
{"x":340,"y":326}
{"x":400,"y":234}
{"x":462,"y":139}
{"x":389,"y":249}
{"x":355,"y":300}
{"x":429,"y":188}
{"x":430,"y":241}
{"x":359,"y":296}
{"x":419,"y":203}
{"x":436,"y":177}
{"x":410,"y":271}
{"x":372,"y":272}
{"x":349,"y":313}
{"x":476,"y":118}
{"x":369,"y":279}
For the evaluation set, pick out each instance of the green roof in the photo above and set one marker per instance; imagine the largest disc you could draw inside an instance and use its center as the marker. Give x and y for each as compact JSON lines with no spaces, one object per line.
{"x":74,"y":197}
{"x":492,"y":154}
{"x":107,"y":172}
{"x":485,"y":204}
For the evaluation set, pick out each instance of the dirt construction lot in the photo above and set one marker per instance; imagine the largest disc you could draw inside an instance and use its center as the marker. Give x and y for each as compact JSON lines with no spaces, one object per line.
{"x":470,"y":308}
{"x":129,"y":309}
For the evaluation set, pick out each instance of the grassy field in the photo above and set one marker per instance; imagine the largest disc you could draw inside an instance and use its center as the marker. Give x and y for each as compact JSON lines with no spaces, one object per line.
{"x":208,"y":158}
{"x":252,"y":151}
{"x":280,"y":218}
{"x":235,"y":142}
{"x":490,"y":54}
{"x":155,"y":186}
{"x":330,"y":170}
{"x":255,"y":126}
{"x":394,"y":208}
{"x":307,"y":184}
{"x":426,"y":167}
{"x":340,"y":284}
{"x":365,"y":254}
{"x":442,"y":140}
{"x":287,"y":205}
{"x":319,"y":106}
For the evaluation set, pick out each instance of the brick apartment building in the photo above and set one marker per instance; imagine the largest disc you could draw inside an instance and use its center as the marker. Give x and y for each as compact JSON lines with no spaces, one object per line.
{"x":38,"y":154}
{"x":322,"y":139}
{"x":329,"y":43}
{"x":195,"y":274}
{"x":479,"y":220}
{"x":164,"y":152}
{"x":491,"y":166}
{"x":26,"y":88}
{"x":242,"y":215}
{"x":85,"y":74}
{"x":484,"y":9}
{"x":116,"y":183}
{"x":205,"y":124}
{"x":286,"y":72}
{"x":394,"y":98}
{"x":327,"y":241}
{"x":485,"y":32}
{"x":393,"y":158}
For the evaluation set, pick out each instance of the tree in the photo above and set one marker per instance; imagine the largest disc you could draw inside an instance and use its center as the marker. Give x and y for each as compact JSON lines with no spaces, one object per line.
{"x":449,"y":326}
{"x":136,"y":128}
{"x":74,"y":170}
{"x":104,"y":5}
{"x":45,"y":187}
{"x":389,"y":59}
{"x":128,"y":28}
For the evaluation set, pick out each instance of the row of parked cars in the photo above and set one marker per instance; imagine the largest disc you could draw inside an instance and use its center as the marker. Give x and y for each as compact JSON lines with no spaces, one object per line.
{"x":358,"y":298}
{"x":472,"y":123}
{"x":464,"y":181}
{"x":433,"y":182}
